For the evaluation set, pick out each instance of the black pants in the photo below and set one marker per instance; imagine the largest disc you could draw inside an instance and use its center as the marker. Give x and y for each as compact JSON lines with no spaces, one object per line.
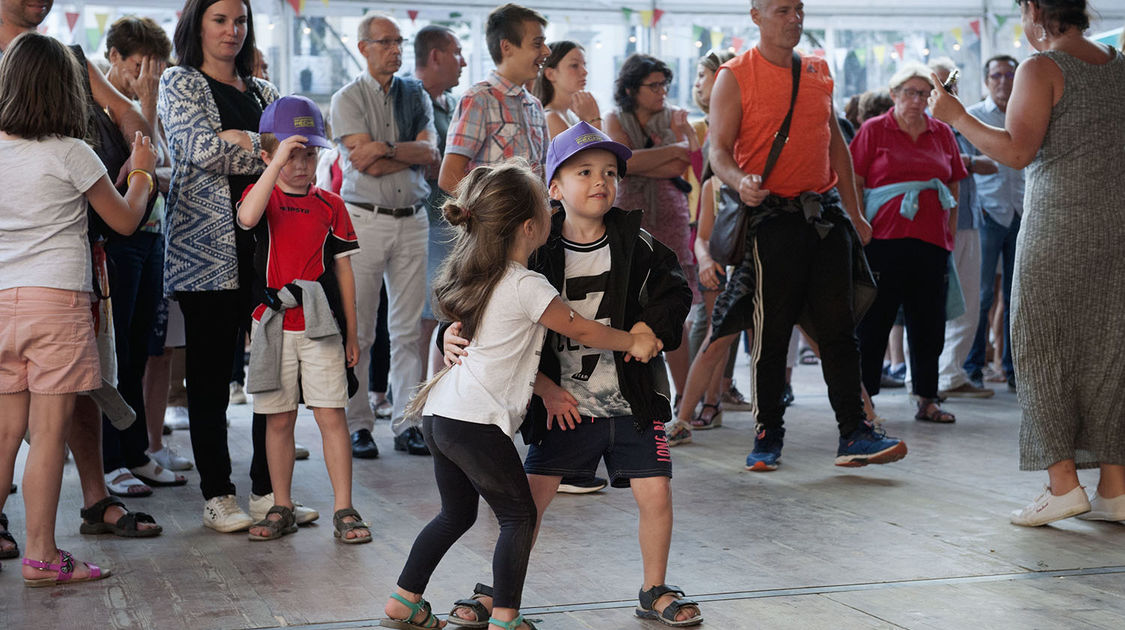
{"x":473,"y":461}
{"x":802,"y":272}
{"x":211,"y":323}
{"x":911,"y":274}
{"x":380,"y":369}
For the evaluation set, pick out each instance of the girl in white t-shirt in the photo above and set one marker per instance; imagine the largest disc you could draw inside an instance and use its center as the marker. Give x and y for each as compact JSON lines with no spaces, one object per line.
{"x":472,"y":408}
{"x":47,"y":351}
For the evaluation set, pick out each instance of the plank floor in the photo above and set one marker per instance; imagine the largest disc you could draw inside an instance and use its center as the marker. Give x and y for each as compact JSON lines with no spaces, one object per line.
{"x":921,"y":544}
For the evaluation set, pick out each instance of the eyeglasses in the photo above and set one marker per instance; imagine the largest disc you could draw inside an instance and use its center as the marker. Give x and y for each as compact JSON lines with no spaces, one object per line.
{"x":996,"y":76}
{"x":911,"y":93}
{"x":387,"y":42}
{"x":658,"y":86}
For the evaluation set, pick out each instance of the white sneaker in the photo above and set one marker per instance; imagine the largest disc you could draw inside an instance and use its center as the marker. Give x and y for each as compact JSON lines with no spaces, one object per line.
{"x":176,"y":418}
{"x":1047,"y":508}
{"x":260,"y":505}
{"x":222,"y":514}
{"x":1102,"y":509}
{"x":170,"y":459}
{"x":300,"y":452}
{"x":237,"y":394}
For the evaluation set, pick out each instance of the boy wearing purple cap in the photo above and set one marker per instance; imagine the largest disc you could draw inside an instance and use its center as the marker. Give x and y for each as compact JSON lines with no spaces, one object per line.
{"x":603,"y":405}
{"x":310,"y":295}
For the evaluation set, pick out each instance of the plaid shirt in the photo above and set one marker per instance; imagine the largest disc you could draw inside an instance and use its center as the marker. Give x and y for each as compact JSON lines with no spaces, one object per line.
{"x":495,"y":120}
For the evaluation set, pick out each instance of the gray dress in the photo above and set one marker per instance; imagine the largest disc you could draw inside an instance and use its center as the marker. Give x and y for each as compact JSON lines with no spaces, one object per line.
{"x":1068,"y":311}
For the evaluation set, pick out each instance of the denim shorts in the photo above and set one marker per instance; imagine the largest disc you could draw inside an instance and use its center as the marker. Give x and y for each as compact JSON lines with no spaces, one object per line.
{"x":627,"y":453}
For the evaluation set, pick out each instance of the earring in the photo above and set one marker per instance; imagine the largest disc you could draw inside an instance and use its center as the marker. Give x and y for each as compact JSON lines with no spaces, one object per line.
{"x":1042,"y":33}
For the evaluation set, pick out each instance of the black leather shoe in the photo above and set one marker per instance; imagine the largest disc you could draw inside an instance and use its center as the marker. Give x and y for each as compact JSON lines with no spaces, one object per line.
{"x":412,"y":442}
{"x":363,"y":445}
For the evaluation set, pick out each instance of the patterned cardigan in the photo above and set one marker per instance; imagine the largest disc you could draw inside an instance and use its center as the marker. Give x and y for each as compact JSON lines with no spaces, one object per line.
{"x":200,"y":227}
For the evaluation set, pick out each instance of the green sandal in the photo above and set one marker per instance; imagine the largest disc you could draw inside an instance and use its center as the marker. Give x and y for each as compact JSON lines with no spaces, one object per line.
{"x":287,"y":524}
{"x":342,"y":527}
{"x":430,"y":621}
{"x":513,"y":624}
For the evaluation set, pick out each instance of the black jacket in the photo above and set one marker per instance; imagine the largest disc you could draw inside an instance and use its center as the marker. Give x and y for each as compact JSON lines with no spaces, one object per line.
{"x":645,"y":284}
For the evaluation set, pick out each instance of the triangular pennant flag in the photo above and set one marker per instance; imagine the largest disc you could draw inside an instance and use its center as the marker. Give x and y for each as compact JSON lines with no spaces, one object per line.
{"x":958,"y":35}
{"x":975,"y":25}
{"x":900,"y":47}
{"x":1017,"y":30}
{"x":1000,"y":19}
{"x":325,"y":2}
{"x":696,"y":32}
{"x":716,"y":39}
{"x":93,"y":38}
{"x":179,"y":14}
{"x":43,"y":28}
{"x":818,"y":52}
{"x":880,"y":53}
{"x":413,"y":13}
{"x":72,"y":19}
{"x":646,"y":18}
{"x":298,"y":6}
{"x":454,"y":14}
{"x":656,"y":15}
{"x":737,"y":42}
{"x":939,"y":41}
{"x":861,"y":54}
{"x":627,"y":13}
{"x":102,"y":19}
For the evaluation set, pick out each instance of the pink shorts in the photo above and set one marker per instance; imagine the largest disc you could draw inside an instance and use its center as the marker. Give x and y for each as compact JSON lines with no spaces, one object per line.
{"x":47,"y":342}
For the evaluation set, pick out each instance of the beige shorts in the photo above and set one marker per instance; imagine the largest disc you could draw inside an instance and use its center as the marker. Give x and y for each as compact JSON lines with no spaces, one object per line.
{"x":47,"y":342}
{"x":316,"y":366}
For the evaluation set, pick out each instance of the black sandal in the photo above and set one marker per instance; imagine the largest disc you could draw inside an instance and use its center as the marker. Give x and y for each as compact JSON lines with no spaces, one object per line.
{"x":128,"y":526}
{"x":648,"y":599}
{"x":14,"y":552}
{"x":342,"y":527}
{"x":700,"y":423}
{"x":287,"y":524}
{"x":473,"y":603}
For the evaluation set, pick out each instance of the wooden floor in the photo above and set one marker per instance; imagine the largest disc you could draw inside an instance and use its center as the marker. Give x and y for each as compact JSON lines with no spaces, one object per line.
{"x":920,"y":544}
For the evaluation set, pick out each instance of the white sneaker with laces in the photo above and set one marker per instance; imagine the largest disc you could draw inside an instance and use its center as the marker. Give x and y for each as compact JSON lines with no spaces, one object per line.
{"x":237,"y":394}
{"x":260,"y":506}
{"x":300,"y":452}
{"x":176,"y":418}
{"x":1047,"y":508}
{"x":1103,"y":509}
{"x":222,"y":514}
{"x":170,"y":459}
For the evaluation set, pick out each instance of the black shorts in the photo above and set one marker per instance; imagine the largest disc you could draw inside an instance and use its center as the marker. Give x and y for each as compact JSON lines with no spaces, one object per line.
{"x":628,"y":454}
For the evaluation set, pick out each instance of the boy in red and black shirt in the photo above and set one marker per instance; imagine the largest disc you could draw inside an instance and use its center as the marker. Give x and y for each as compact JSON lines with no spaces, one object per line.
{"x":305,"y":244}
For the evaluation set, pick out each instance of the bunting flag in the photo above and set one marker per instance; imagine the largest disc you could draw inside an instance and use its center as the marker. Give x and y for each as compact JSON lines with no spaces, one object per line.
{"x":900,"y":48}
{"x":412,"y":13}
{"x":880,"y":53}
{"x":959,"y":35}
{"x":737,"y":42}
{"x":1000,"y":20}
{"x":939,"y":41}
{"x":298,"y":6}
{"x":1017,"y":30}
{"x":861,"y":54}
{"x":656,"y":15}
{"x":818,"y":52}
{"x":716,"y":39}
{"x":102,"y":19}
{"x":975,"y":25}
{"x":93,"y":38}
{"x":646,"y":18}
{"x":627,"y":13}
{"x":696,"y":32}
{"x":454,"y":15}
{"x":43,"y":28}
{"x":72,"y":19}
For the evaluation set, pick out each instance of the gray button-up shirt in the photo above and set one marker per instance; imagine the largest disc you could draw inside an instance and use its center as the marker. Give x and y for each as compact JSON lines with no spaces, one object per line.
{"x":1000,"y":194}
{"x":363,"y":106}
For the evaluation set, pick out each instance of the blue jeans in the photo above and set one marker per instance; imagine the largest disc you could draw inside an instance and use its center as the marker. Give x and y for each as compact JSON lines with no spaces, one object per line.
{"x":996,"y":241}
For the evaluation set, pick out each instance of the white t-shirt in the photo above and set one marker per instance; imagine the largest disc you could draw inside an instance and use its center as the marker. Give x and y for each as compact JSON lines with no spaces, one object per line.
{"x":589,"y":374}
{"x":494,"y":381}
{"x":43,"y":213}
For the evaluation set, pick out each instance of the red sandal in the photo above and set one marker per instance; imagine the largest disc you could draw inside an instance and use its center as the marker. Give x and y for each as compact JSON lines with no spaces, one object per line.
{"x":65,"y":569}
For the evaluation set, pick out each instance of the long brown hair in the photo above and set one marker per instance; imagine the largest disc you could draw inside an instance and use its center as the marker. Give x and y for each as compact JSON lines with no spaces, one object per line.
{"x":42,"y":91}
{"x":490,"y":206}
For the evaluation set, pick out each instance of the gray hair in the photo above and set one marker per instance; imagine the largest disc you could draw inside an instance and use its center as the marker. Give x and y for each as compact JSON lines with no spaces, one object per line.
{"x":942,"y":63}
{"x":908,"y":71}
{"x":364,"y":30}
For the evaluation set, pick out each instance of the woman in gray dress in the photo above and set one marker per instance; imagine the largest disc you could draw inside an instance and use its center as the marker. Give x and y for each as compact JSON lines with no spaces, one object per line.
{"x":1066,"y":124}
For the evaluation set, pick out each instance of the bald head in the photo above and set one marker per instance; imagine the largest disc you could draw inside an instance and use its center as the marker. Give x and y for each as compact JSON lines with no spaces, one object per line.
{"x":364,"y":30}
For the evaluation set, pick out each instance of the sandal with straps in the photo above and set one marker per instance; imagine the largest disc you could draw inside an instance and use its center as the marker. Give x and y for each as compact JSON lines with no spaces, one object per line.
{"x":513,"y":624}
{"x":65,"y":569}
{"x":408,"y":623}
{"x":279,"y":527}
{"x":934,"y":413}
{"x":14,"y":552}
{"x":700,"y":423}
{"x":342,"y":527}
{"x":476,"y":605}
{"x":647,"y":610}
{"x":128,"y":526}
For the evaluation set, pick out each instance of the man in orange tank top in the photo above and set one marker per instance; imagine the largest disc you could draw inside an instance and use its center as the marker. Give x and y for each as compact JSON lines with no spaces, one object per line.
{"x":799,"y":262}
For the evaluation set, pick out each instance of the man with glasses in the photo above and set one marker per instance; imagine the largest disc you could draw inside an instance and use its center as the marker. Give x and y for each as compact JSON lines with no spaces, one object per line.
{"x":498,"y":118}
{"x":1000,"y":196}
{"x":385,"y":128}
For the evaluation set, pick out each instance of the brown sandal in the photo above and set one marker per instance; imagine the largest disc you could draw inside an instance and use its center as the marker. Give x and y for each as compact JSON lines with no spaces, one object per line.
{"x":929,"y":410}
{"x":700,"y":423}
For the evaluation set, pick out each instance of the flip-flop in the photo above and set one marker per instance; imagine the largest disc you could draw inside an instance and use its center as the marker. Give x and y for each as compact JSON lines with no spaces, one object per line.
{"x":155,"y":475}
{"x":124,"y":488}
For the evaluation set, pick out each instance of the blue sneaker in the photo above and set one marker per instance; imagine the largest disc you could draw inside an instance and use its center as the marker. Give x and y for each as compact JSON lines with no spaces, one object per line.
{"x":767,"y":450}
{"x":869,"y":445}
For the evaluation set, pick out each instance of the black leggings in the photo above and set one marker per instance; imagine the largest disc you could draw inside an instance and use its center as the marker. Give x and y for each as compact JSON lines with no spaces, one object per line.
{"x":472,"y":461}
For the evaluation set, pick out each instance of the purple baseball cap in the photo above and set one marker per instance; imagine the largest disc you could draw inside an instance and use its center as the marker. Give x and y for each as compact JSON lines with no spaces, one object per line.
{"x":581,"y":137}
{"x":294,"y":116}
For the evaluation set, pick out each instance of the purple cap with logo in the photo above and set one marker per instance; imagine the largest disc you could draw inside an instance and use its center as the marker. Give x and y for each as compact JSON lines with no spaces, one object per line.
{"x":294,"y":116}
{"x":582,"y":137}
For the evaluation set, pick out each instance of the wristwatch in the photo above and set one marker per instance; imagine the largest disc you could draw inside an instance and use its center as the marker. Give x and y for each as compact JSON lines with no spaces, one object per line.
{"x":390,"y":150}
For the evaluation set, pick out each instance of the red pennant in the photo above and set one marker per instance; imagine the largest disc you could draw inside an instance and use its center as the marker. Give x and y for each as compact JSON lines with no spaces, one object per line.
{"x":975,"y":25}
{"x":71,"y":19}
{"x":43,"y":28}
{"x":179,"y":14}
{"x":737,"y":43}
{"x":296,"y":4}
{"x":818,"y":52}
{"x":900,"y":47}
{"x":413,"y":14}
{"x":656,"y":15}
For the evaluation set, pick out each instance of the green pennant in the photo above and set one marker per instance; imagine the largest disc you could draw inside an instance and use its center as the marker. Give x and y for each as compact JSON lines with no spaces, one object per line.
{"x":696,"y":32}
{"x":454,"y":15}
{"x":939,"y":41}
{"x":627,"y":13}
{"x":1000,"y":19}
{"x":93,"y":38}
{"x":861,"y":54}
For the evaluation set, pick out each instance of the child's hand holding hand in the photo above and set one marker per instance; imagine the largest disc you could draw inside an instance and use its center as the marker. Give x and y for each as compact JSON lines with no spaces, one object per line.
{"x":453,"y":345}
{"x":562,"y":407}
{"x":351,"y":350}
{"x":645,"y":346}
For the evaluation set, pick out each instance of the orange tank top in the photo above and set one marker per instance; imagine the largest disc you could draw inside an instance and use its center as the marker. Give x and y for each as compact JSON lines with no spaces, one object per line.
{"x":804,"y":162}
